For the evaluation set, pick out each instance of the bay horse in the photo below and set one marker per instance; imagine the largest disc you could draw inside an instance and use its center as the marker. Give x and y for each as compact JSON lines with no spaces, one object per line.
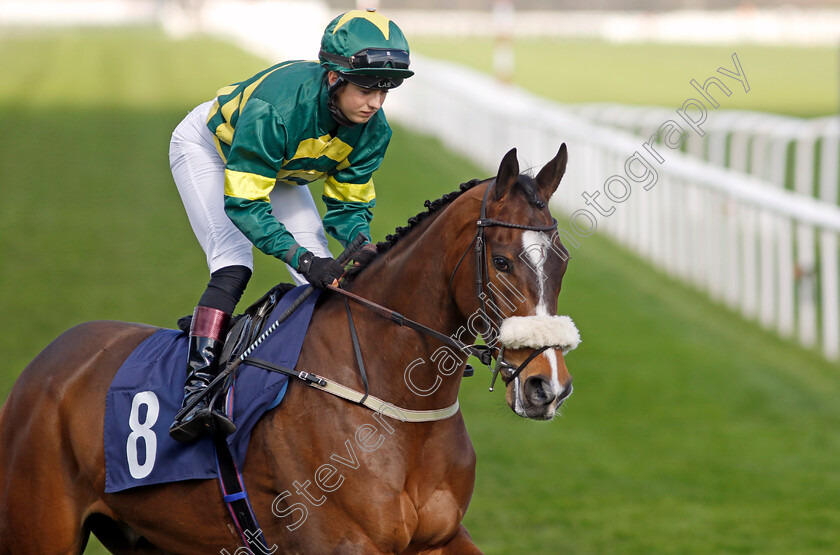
{"x":401,"y":487}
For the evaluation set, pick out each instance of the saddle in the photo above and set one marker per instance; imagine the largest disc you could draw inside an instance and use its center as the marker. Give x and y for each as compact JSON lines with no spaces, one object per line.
{"x":244,"y":328}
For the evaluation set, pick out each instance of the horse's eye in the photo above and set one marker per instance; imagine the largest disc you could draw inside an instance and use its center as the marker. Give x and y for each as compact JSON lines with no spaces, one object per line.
{"x":501,"y":263}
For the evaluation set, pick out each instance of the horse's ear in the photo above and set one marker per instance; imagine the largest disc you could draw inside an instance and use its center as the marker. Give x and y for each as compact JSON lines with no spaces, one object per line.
{"x":507,"y":176}
{"x":549,"y":177}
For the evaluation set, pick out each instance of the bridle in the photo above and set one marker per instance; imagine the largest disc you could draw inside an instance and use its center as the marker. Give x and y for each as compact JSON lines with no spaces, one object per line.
{"x":484,"y":293}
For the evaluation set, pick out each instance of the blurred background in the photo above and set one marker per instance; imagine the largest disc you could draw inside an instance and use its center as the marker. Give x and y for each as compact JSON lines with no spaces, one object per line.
{"x":705,"y":409}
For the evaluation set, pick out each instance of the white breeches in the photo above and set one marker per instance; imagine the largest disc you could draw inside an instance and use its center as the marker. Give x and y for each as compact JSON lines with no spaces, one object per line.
{"x":199,"y":174}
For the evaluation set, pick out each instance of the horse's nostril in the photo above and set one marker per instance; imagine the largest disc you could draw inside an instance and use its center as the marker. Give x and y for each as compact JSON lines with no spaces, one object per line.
{"x":538,"y":391}
{"x":567,"y":390}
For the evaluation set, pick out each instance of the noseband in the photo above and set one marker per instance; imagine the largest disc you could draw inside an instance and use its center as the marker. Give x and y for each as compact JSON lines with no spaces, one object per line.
{"x":483,"y":292}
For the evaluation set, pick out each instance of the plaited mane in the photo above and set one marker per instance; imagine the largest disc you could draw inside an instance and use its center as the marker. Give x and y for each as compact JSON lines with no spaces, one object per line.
{"x":525,"y":183}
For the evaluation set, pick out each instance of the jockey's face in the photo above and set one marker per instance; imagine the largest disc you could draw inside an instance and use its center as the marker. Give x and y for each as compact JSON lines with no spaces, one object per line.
{"x":357,"y":103}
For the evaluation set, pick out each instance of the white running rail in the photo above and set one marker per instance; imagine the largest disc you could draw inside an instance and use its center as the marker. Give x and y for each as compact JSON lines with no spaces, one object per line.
{"x":754,"y":142}
{"x":769,"y":253}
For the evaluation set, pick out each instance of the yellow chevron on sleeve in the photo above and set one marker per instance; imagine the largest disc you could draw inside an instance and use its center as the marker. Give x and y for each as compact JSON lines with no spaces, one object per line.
{"x":349,"y":192}
{"x":249,"y":186}
{"x":334,"y":149}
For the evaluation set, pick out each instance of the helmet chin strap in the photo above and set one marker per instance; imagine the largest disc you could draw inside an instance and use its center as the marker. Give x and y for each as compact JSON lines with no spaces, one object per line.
{"x":336,"y":112}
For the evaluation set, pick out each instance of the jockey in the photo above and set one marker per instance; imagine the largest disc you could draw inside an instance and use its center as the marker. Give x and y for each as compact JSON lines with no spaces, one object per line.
{"x":242,"y":163}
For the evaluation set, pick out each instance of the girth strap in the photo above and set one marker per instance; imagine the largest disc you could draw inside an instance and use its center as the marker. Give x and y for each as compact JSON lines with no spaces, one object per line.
{"x":236,"y":499}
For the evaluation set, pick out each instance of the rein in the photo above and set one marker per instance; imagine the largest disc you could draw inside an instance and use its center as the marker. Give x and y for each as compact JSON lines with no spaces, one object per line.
{"x":482,"y":352}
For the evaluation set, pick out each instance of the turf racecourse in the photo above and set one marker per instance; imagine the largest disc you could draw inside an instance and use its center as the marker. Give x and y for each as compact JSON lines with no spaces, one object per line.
{"x":689,"y":432}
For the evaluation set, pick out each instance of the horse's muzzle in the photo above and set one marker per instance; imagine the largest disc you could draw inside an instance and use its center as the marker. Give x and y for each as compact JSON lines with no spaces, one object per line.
{"x":539,"y":398}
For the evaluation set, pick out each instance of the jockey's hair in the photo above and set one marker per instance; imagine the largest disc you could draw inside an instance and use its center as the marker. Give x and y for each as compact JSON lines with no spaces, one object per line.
{"x":527,"y":184}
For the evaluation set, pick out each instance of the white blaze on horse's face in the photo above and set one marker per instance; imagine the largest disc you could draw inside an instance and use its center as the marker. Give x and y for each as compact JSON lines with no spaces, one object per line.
{"x":539,"y":397}
{"x":534,"y":247}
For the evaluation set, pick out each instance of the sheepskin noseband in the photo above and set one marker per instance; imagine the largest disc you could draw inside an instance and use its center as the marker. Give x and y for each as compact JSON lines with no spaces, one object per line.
{"x":518,"y":332}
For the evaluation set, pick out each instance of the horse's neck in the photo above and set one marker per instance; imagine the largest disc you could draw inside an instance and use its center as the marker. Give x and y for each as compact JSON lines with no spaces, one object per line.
{"x":412,"y":279}
{"x":415,"y":284}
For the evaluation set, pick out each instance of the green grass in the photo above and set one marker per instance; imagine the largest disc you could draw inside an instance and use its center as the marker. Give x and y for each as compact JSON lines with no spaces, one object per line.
{"x":690,"y":431}
{"x":800,"y":81}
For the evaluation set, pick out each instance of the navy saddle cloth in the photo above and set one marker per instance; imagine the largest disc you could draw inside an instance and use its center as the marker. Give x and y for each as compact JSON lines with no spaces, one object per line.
{"x":147,"y":391}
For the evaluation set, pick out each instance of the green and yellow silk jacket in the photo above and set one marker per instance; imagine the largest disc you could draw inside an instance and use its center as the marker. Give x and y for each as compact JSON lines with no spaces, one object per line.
{"x":276,"y":128}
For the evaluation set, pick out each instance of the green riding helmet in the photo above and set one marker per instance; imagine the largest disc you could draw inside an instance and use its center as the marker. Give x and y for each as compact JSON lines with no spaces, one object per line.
{"x":366,"y":49}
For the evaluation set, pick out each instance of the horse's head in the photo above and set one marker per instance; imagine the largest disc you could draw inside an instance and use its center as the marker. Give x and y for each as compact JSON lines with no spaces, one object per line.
{"x":510,"y":296}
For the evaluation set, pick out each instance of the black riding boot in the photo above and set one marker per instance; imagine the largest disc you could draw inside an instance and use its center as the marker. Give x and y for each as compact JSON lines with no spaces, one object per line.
{"x":206,"y":333}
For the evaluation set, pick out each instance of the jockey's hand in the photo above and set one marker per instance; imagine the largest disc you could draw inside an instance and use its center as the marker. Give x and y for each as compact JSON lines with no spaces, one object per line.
{"x":360,"y":259}
{"x":319,"y":271}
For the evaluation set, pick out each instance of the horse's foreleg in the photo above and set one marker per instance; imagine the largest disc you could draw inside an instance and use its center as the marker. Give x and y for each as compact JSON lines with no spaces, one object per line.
{"x":460,"y":544}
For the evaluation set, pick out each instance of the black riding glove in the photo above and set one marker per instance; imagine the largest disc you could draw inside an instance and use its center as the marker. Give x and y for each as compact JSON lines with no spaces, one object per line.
{"x":319,"y":271}
{"x":360,"y":259}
